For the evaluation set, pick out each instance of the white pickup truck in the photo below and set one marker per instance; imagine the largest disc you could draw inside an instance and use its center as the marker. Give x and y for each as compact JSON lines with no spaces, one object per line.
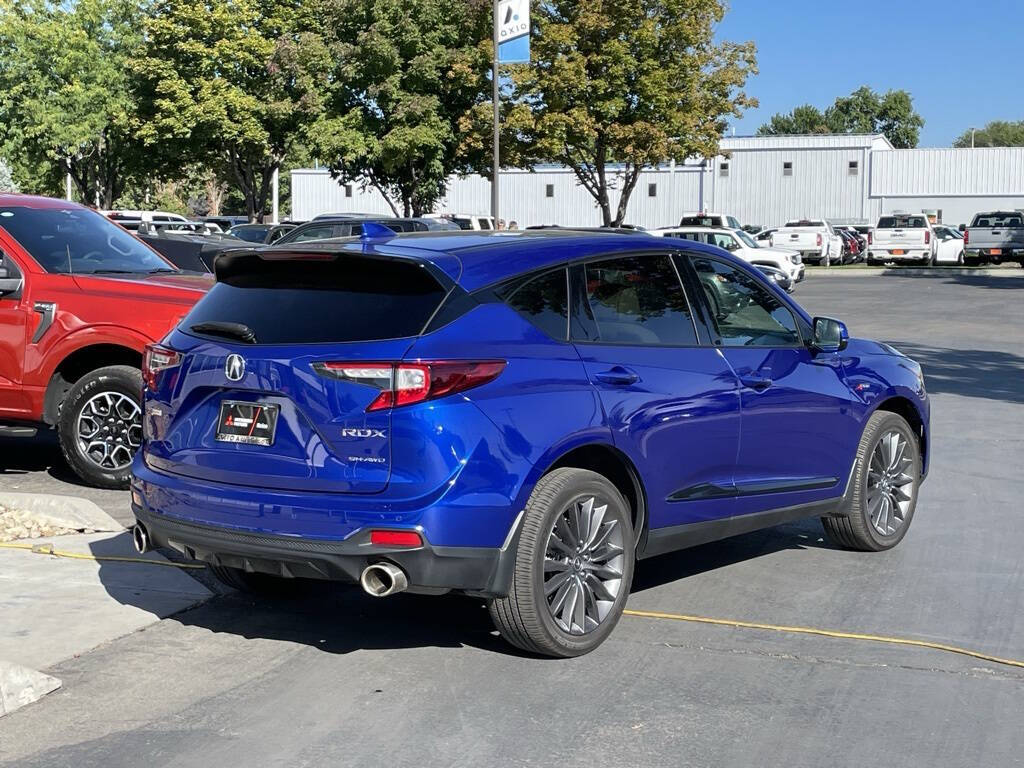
{"x":814,"y":239}
{"x":902,"y":237}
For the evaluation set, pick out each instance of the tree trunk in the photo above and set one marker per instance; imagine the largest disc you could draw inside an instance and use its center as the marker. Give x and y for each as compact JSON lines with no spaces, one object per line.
{"x":632,"y":177}
{"x":602,"y":183}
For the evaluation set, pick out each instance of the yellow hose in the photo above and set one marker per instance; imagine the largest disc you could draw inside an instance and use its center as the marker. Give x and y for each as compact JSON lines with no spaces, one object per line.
{"x":826,"y":633}
{"x":47,"y":549}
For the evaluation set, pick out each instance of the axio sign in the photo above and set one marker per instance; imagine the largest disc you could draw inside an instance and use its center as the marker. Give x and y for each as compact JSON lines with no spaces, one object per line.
{"x":513,"y":24}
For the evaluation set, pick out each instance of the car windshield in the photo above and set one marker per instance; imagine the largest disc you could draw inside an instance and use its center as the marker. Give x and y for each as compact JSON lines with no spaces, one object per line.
{"x":249,"y":234}
{"x":747,"y":239}
{"x":1012,"y":220}
{"x":78,"y":241}
{"x":902,"y":222}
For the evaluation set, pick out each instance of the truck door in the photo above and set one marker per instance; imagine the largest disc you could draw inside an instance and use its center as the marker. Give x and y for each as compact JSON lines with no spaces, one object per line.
{"x":14,"y":316}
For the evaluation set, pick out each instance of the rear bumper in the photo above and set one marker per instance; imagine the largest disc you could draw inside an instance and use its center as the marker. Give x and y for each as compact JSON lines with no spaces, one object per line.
{"x":886,"y":254}
{"x":482,"y":570}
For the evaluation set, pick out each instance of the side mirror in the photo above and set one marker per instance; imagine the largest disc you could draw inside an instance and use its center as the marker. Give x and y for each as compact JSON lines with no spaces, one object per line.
{"x":962,"y":227}
{"x":11,"y":281}
{"x":830,"y":335}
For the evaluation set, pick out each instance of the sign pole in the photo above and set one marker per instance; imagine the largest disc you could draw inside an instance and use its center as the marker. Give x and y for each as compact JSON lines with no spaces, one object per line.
{"x":495,"y":170}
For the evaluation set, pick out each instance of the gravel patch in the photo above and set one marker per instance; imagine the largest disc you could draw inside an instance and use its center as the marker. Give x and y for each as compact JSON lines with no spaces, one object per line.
{"x":18,"y":524}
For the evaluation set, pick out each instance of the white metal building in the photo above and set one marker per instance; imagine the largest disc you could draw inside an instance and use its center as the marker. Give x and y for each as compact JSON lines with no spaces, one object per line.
{"x":762,"y":180}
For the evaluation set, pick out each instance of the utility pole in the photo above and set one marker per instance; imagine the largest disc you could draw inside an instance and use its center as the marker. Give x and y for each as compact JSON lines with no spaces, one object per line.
{"x":496,"y":160}
{"x":276,"y":187}
{"x":972,"y":137}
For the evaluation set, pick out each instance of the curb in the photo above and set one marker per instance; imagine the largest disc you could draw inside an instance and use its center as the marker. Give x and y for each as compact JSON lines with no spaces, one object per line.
{"x":912,"y":271}
{"x":71,"y":512}
{"x":20,"y":686}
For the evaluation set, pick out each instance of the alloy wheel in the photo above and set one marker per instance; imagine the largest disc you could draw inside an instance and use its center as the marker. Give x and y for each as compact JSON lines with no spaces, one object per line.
{"x":890,"y":483}
{"x":109,"y":430}
{"x":583,"y":564}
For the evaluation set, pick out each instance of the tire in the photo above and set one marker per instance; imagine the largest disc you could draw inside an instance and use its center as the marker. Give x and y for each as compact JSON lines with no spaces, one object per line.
{"x":524,"y":618}
{"x":263,"y":584}
{"x":960,"y":259}
{"x":108,"y":399}
{"x":855,"y":526}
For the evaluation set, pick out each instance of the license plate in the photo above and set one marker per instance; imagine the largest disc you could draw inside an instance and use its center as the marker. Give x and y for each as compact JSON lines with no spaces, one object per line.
{"x":897,"y":252}
{"x":995,"y":251}
{"x":249,"y":423}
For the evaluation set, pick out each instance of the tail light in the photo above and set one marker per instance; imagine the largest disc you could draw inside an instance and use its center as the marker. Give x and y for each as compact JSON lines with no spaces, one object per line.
{"x":819,"y":241}
{"x":967,"y":236}
{"x":927,"y":236}
{"x":407,"y":383}
{"x":871,"y":239}
{"x":155,"y":360}
{"x":395,"y":539}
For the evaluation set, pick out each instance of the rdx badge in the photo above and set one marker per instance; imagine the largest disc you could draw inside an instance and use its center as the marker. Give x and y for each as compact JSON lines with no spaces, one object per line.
{"x":363,"y":433}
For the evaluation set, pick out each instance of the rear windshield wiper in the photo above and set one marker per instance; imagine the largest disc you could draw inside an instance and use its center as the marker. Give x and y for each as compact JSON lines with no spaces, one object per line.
{"x":230,"y":330}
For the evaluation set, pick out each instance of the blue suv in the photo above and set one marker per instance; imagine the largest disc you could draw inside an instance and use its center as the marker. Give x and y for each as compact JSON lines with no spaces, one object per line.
{"x":519,"y":416}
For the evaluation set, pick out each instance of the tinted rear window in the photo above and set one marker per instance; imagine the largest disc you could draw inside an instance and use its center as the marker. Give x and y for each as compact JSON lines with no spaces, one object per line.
{"x":998,"y":220}
{"x":544,"y":301}
{"x":350,"y":298}
{"x":902,"y":222}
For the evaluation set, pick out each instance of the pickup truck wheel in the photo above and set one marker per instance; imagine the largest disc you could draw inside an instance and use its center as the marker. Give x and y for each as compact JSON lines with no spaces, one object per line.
{"x":960,"y":259}
{"x":100,"y":425}
{"x":573,"y":569}
{"x":883,"y":493}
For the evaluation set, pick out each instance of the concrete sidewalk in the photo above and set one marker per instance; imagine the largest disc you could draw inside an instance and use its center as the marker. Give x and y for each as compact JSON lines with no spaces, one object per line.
{"x":57,"y":608}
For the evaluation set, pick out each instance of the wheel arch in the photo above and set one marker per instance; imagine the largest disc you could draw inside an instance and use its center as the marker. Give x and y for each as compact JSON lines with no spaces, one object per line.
{"x":77,"y":364}
{"x":609,"y":462}
{"x":905,"y":407}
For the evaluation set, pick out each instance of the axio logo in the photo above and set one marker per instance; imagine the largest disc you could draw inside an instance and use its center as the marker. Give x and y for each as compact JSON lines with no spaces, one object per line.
{"x":363,"y":433}
{"x":234,"y":368}
{"x":513,"y":19}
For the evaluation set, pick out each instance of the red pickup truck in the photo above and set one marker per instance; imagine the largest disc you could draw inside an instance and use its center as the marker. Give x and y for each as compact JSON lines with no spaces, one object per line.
{"x":80,"y":298}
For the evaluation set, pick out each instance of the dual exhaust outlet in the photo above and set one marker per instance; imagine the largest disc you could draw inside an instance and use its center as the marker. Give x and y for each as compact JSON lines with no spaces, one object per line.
{"x":377,"y":580}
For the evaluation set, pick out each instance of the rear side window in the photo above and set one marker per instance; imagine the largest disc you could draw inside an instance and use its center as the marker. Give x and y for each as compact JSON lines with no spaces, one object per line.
{"x":902,"y":222}
{"x":302,"y":301}
{"x":321,"y":232}
{"x":544,"y":301}
{"x":639,"y":300}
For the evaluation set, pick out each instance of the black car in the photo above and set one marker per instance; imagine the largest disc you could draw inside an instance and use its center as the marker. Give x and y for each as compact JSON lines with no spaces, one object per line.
{"x":344,"y":225}
{"x":262,"y":234}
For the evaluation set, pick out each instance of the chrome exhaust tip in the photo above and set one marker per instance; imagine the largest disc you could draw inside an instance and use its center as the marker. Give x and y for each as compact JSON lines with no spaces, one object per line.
{"x":383,"y":579}
{"x":140,"y":538}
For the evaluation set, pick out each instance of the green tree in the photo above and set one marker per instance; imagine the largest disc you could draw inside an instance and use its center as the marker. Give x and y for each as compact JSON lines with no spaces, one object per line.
{"x":399,"y":75}
{"x":7,"y":183}
{"x":998,"y":133}
{"x":217,"y":79}
{"x":802,"y":120}
{"x":617,"y":86}
{"x":863,"y":111}
{"x":65,"y":94}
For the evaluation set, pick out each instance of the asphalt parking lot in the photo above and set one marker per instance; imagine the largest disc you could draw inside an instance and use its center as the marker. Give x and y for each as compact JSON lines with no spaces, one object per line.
{"x":332,"y":677}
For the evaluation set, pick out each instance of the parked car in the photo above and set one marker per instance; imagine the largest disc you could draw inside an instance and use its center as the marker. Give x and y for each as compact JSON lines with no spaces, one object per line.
{"x":80,"y":299}
{"x":995,"y":236}
{"x":764,"y":237}
{"x":777,"y":276}
{"x":263,"y":234}
{"x":506,"y":440}
{"x":813,"y":239}
{"x":902,"y":237}
{"x":719,"y":220}
{"x":949,"y":245}
{"x":468,"y":221}
{"x":130,"y":220}
{"x":329,"y":228}
{"x":742,"y":245}
{"x":862,"y":240}
{"x":851,"y":247}
{"x":225,"y":222}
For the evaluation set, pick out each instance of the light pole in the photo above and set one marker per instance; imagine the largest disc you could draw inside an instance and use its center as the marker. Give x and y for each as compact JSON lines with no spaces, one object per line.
{"x":496,"y":165}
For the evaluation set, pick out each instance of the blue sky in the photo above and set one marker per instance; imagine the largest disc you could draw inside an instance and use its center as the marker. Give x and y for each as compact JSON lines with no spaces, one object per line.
{"x":962,"y":62}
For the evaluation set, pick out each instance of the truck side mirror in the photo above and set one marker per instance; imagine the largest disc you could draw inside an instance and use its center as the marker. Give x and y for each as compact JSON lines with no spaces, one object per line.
{"x":962,"y":227}
{"x":11,"y":281}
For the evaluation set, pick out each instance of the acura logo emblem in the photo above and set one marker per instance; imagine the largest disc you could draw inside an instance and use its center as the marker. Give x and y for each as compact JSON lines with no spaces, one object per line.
{"x":234,"y":367}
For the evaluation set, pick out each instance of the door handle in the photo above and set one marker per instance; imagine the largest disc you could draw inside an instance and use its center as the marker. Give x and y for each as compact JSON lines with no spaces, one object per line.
{"x":618,"y":376}
{"x":755,"y":382}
